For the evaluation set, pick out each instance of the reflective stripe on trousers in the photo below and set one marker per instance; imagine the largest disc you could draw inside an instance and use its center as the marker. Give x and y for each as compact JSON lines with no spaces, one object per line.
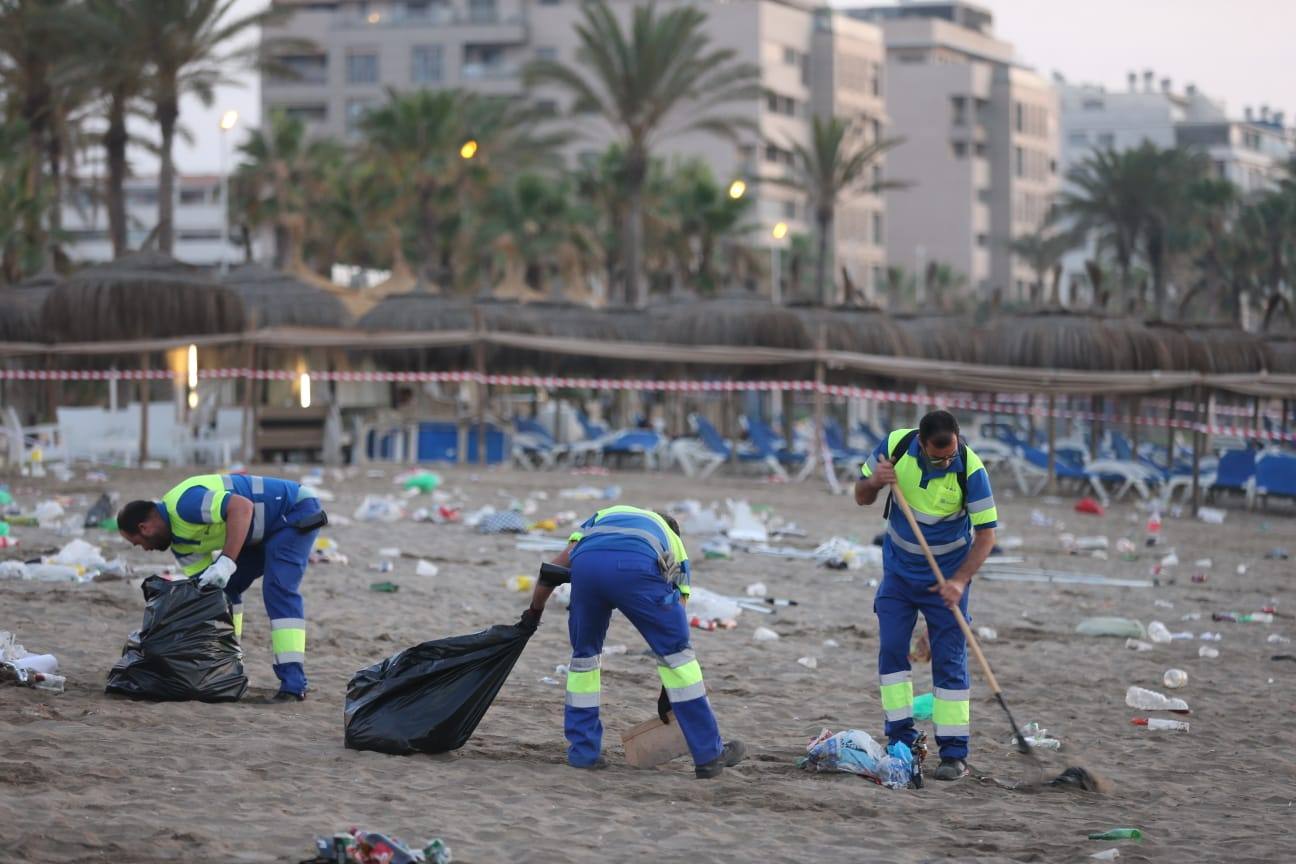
{"x":681,"y":675}
{"x":897,"y":695}
{"x":236,"y":612}
{"x":288,"y":640}
{"x":584,"y":682}
{"x":951,"y":711}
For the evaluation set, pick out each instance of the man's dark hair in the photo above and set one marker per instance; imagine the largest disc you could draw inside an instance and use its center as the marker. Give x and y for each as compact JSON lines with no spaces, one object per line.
{"x":938,"y":428}
{"x":672,"y":524}
{"x":131,"y":516}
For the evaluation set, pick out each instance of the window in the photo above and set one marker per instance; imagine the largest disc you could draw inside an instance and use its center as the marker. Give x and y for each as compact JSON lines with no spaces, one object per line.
{"x":362,"y":68}
{"x":313,"y":113}
{"x":983,"y":195}
{"x":193,"y":196}
{"x":778,"y":104}
{"x":1019,"y":157}
{"x":877,"y":79}
{"x":198,"y":235}
{"x":546,"y":52}
{"x":302,"y":69}
{"x":789,"y":210}
{"x":775,"y":153}
{"x":790,"y":56}
{"x":482,"y":11}
{"x":425,"y":64}
{"x":960,"y":149}
{"x":959,"y":105}
{"x":982,"y":240}
{"x":1091,"y":105}
{"x":877,"y":175}
{"x":1019,"y":117}
{"x":1078,"y":139}
{"x":877,"y":229}
{"x":416,"y":10}
{"x":980,"y":150}
{"x":142,"y":196}
{"x":1106,"y":140}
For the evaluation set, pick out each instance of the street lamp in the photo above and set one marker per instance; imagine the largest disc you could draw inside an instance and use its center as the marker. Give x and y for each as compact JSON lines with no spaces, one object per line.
{"x":227,"y":122}
{"x":469,"y":149}
{"x":779,"y":231}
{"x":737,"y":189}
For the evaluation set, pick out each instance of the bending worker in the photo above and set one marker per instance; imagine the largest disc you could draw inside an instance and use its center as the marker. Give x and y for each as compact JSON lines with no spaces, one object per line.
{"x":230,"y":529}
{"x":632,"y":560}
{"x":949,"y":492}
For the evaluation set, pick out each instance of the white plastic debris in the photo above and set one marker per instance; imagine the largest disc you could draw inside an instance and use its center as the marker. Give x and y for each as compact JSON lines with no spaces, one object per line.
{"x":425,"y":568}
{"x":1208,"y":652}
{"x":1211,"y":515}
{"x":48,"y":514}
{"x":1138,"y":645}
{"x":809,"y":662}
{"x":830,"y":643}
{"x":764,"y":634}
{"x":379,"y":508}
{"x":710,"y":606}
{"x":838,"y":553}
{"x":1158,"y":632}
{"x":744,"y":525}
{"x":389,"y":552}
{"x":756,"y":589}
{"x":988,"y":634}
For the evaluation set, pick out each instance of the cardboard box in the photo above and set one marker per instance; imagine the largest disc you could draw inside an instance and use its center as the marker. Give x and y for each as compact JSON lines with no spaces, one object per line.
{"x":653,"y":743}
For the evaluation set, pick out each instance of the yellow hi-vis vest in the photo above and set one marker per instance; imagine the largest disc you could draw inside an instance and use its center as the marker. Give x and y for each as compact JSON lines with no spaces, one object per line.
{"x":194,"y":542}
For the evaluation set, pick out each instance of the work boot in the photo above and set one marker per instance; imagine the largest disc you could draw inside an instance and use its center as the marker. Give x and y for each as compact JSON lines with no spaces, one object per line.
{"x":733,"y":753}
{"x":283,"y":697}
{"x":951,"y":769}
{"x":598,"y":764}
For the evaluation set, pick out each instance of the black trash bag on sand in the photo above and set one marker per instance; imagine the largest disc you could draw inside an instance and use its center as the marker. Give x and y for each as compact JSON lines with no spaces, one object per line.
{"x":185,"y":650}
{"x":430,"y":698}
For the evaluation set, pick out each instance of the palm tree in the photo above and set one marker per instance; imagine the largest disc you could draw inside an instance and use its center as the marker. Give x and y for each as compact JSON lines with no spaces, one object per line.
{"x":1169,"y":205}
{"x":539,"y":222}
{"x":1270,"y":223}
{"x":111,"y":62}
{"x":1042,"y":249}
{"x":190,"y":49}
{"x":439,"y":150}
{"x":660,"y":78}
{"x":286,"y":172}
{"x":1108,"y":197}
{"x":21,"y":252}
{"x":704,"y":224}
{"x":838,"y":162}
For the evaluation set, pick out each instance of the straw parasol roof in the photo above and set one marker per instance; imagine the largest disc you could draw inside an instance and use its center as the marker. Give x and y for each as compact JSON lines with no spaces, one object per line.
{"x":20,"y":307}
{"x":943,"y":337}
{"x":737,"y":319}
{"x":422,"y":312}
{"x":570,"y":321}
{"x":145,"y":295}
{"x":1220,"y":349}
{"x":1282,"y":352}
{"x":273,"y":298}
{"x":1066,"y":339}
{"x":858,"y":329}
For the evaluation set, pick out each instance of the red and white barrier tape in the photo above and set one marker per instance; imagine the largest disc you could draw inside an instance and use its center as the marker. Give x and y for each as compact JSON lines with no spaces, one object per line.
{"x":1017,"y":404}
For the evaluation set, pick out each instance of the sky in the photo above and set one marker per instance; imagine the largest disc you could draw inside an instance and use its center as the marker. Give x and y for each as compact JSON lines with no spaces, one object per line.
{"x":1235,"y":50}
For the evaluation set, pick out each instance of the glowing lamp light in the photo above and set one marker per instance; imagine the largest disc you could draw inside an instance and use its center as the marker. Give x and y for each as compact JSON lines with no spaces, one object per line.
{"x":469,"y":149}
{"x":193,"y":399}
{"x":780,"y":231}
{"x":193,"y":366}
{"x":737,"y":189}
{"x":374,"y":17}
{"x":304,"y":383}
{"x":229,"y":120}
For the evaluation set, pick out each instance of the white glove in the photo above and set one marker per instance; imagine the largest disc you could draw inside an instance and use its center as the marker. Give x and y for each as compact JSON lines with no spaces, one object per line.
{"x":218,"y":573}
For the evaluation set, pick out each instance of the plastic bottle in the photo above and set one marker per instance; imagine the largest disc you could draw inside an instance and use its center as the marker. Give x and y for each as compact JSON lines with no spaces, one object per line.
{"x":1118,"y":834}
{"x":1160,"y":723}
{"x":53,"y":573}
{"x":48,"y":681}
{"x":1158,"y":632}
{"x":1150,"y":700}
{"x":1139,"y":645}
{"x":1154,"y":528}
{"x":1174,"y":678}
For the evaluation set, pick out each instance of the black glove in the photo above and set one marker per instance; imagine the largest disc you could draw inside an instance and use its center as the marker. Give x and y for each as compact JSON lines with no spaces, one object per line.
{"x":530,"y":620}
{"x":663,"y":705}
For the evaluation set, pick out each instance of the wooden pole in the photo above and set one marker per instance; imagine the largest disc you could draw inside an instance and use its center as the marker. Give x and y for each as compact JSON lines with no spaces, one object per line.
{"x":144,"y":406}
{"x":817,"y":448}
{"x":479,"y":359}
{"x":1198,"y":417}
{"x":249,"y":422}
{"x":1136,"y":406}
{"x":1052,"y":447}
{"x":1096,"y":404}
{"x":51,"y":400}
{"x":1170,"y":434}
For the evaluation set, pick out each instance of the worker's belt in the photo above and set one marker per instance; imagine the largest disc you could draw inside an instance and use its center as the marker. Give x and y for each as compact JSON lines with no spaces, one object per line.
{"x":670,"y":568}
{"x":915,"y":549}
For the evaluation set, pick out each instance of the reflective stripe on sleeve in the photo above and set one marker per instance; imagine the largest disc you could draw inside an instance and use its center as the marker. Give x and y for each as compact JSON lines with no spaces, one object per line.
{"x":206,"y":506}
{"x":258,"y":522}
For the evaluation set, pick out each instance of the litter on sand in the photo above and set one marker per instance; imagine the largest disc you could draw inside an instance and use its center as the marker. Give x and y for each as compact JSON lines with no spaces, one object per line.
{"x":1120,"y":627}
{"x":1002,"y":574}
{"x":369,"y":847}
{"x":764,"y":634}
{"x":17,"y":666}
{"x":854,"y":751}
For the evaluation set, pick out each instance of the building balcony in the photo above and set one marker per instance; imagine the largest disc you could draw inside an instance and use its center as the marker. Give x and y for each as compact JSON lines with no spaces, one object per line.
{"x":476,"y":27}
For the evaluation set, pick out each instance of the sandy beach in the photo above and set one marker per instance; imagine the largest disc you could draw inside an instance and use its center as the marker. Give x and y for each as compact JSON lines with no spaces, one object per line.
{"x":87,"y":777}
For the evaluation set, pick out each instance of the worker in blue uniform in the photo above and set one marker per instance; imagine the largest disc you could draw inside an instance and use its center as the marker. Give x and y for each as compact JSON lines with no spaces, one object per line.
{"x":228,"y":530}
{"x":948,"y":490}
{"x":632,"y":560}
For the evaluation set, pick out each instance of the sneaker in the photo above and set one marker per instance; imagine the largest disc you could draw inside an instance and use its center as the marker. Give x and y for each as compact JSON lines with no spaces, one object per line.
{"x":733,"y":753}
{"x":598,"y":764}
{"x":951,"y":769}
{"x":283,"y":697}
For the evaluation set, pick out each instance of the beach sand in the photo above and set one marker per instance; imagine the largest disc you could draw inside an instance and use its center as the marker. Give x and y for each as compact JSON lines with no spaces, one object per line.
{"x":86,"y":777}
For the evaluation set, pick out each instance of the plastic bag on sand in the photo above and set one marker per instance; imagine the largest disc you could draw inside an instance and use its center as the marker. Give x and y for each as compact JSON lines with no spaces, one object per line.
{"x":186,"y":648}
{"x":1123,"y":627}
{"x":855,"y":752}
{"x":370,"y":847}
{"x":379,"y":508}
{"x":838,"y":553}
{"x":430,"y":698}
{"x":48,"y":514}
{"x":744,"y":525}
{"x":710,"y":606}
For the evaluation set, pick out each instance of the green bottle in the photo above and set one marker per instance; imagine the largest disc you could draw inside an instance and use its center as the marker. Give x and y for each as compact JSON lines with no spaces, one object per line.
{"x":1118,"y":834}
{"x":384,"y":587}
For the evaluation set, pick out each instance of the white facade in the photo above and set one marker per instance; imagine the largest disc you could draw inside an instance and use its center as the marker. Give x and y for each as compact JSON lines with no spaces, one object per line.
{"x":198,"y":212}
{"x":810,"y":60}
{"x":980,"y":151}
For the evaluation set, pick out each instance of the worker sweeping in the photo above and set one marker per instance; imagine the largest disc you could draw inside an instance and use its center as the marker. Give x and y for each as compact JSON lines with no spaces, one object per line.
{"x":631,"y":560}
{"x":228,"y":530}
{"x":948,"y":490}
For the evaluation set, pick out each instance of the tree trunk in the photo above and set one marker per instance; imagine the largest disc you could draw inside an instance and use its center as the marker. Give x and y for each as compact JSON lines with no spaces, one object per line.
{"x":115,"y":142}
{"x":824,"y":222}
{"x":636,"y":170}
{"x":54,"y":159}
{"x":168,"y":112}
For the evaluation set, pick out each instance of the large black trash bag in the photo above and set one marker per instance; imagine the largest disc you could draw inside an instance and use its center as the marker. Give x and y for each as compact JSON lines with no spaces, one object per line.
{"x":430,"y":698}
{"x":186,"y":649}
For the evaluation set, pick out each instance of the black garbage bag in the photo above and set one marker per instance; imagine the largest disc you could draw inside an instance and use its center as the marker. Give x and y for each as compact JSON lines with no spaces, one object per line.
{"x":185,"y":650}
{"x":430,"y":698}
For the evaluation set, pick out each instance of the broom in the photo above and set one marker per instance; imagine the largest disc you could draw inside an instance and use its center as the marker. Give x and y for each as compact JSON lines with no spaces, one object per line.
{"x":1073,"y":776}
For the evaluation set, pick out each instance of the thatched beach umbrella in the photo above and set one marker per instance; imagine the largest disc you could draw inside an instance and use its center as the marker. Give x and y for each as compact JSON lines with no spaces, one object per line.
{"x":20,"y":307}
{"x":146,"y":295}
{"x":1058,"y":339}
{"x":1282,"y":352}
{"x":576,"y":322}
{"x":942,"y":337}
{"x":273,"y":298}
{"x":424,"y":312}
{"x":1220,"y":349}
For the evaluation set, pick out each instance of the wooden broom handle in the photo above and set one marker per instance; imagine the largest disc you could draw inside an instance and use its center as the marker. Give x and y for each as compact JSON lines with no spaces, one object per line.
{"x":940,"y":580}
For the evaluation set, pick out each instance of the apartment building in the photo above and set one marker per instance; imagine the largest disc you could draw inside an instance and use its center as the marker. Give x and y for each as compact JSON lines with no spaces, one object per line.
{"x":811,"y":60}
{"x":981,"y":144}
{"x":1252,"y":152}
{"x":198,"y":212}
